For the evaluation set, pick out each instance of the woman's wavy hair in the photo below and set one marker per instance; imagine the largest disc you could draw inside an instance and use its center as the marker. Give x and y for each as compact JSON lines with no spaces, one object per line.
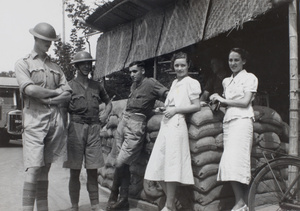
{"x":243,"y":53}
{"x":180,"y":55}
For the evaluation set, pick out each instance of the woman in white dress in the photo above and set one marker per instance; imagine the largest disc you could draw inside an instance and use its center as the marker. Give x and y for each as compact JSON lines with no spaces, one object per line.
{"x":239,"y":92}
{"x":170,"y":160}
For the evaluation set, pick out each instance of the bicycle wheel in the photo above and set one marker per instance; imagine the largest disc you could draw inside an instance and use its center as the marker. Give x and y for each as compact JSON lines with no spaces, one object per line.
{"x":269,"y":190}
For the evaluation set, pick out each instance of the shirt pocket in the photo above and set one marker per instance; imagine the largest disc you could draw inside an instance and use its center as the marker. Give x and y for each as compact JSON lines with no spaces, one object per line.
{"x":140,"y":99}
{"x":55,"y":76}
{"x":38,"y":76}
{"x":95,"y":101}
{"x":78,"y":104}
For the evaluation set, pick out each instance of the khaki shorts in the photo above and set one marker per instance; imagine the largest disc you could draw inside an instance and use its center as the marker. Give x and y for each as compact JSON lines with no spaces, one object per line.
{"x":84,"y":144}
{"x":44,"y":136}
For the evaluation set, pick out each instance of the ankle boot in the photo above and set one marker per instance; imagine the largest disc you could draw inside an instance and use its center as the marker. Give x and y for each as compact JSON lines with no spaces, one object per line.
{"x":122,"y":203}
{"x":113,"y":197}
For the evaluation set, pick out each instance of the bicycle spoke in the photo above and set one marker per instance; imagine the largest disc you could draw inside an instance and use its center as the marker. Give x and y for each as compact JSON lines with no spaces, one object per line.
{"x":275,"y":187}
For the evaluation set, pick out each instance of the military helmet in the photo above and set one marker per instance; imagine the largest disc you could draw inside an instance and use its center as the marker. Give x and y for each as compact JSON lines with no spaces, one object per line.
{"x":82,"y":56}
{"x":44,"y":31}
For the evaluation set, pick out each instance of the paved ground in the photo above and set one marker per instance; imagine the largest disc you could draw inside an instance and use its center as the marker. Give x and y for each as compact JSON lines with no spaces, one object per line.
{"x":11,"y":183}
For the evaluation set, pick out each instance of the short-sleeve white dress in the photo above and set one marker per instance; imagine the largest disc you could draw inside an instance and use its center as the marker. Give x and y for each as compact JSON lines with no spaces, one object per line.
{"x":170,"y":160}
{"x":237,"y":130}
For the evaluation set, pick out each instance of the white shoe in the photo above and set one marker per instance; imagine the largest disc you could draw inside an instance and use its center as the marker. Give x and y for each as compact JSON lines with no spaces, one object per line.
{"x":243,"y":208}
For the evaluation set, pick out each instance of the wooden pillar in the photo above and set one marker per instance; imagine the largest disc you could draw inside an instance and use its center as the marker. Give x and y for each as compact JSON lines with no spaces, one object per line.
{"x":294,"y":98}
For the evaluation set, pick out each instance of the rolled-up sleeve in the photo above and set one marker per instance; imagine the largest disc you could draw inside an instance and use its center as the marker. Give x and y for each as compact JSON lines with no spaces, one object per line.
{"x":22,"y":75}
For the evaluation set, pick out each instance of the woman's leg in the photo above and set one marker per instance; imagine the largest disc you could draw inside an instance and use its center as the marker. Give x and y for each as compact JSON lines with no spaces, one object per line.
{"x":171,"y":191}
{"x":239,"y":193}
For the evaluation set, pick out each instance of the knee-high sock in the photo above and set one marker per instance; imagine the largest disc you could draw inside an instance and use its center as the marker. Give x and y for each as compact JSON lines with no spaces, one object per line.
{"x":74,"y":190}
{"x":92,"y":186}
{"x":42,"y":195}
{"x":29,"y":194}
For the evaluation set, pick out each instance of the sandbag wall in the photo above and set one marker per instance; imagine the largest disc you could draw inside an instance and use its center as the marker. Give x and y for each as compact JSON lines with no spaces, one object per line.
{"x":206,"y":145}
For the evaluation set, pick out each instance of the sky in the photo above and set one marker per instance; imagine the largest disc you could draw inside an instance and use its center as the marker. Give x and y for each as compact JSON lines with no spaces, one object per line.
{"x":18,"y":16}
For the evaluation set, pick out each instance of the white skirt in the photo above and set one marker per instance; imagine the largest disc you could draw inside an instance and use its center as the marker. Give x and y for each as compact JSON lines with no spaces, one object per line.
{"x":235,"y":161}
{"x":170,"y":160}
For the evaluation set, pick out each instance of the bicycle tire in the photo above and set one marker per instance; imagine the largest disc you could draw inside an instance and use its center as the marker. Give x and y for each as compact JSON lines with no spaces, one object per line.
{"x":265,"y":194}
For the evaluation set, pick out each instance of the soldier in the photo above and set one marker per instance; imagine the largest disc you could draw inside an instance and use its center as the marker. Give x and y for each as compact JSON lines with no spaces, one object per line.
{"x":131,"y":130}
{"x":84,"y":129}
{"x":44,"y":88}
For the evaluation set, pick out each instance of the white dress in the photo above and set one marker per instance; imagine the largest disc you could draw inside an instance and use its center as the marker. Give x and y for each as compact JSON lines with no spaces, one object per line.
{"x":237,"y":130}
{"x":170,"y":159}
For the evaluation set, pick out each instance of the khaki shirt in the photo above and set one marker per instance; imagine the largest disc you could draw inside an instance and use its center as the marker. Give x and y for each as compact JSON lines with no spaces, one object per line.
{"x":33,"y":70}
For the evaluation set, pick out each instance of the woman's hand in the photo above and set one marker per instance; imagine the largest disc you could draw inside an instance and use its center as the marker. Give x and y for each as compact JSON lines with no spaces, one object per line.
{"x":216,"y":98}
{"x":170,"y":112}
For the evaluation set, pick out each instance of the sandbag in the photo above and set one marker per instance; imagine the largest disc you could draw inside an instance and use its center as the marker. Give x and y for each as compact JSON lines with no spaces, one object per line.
{"x":214,"y":194}
{"x":264,"y":127}
{"x":104,"y":133}
{"x":135,"y":189}
{"x":110,"y":161}
{"x":153,"y":135}
{"x":266,"y":198}
{"x":118,"y":107}
{"x":206,"y":170}
{"x":152,"y":189}
{"x":258,"y":152}
{"x":153,"y":123}
{"x":255,"y":139}
{"x":221,"y":204}
{"x":112,"y":122}
{"x":269,"y":140}
{"x":219,"y":140}
{"x":267,"y":115}
{"x":203,"y":144}
{"x":211,"y":129}
{"x":105,"y":150}
{"x":205,"y":116}
{"x":109,"y":173}
{"x":110,"y":142}
{"x":109,"y":133}
{"x":206,"y":184}
{"x":207,"y":157}
{"x":148,"y":147}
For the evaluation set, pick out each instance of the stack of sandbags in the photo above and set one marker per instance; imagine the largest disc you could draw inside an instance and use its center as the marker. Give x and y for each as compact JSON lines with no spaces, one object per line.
{"x":206,"y":145}
{"x":109,"y":148}
{"x":270,"y":133}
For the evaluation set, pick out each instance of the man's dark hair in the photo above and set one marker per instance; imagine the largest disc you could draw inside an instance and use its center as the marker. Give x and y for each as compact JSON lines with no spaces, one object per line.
{"x":138,"y":64}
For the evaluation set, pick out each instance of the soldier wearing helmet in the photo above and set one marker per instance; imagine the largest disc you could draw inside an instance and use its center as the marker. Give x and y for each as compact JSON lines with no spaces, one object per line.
{"x":84,"y":129}
{"x":44,"y":89}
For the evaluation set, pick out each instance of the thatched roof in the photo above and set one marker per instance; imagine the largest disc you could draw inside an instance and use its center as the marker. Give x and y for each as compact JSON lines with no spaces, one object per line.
{"x":118,"y":12}
{"x":134,"y":31}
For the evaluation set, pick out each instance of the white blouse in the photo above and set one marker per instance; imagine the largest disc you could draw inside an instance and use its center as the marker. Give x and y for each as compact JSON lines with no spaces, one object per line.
{"x":234,"y":89}
{"x":183,"y":92}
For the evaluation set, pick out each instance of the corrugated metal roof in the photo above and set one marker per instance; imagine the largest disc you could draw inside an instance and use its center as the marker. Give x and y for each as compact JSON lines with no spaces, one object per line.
{"x":6,"y":82}
{"x":119,"y":12}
